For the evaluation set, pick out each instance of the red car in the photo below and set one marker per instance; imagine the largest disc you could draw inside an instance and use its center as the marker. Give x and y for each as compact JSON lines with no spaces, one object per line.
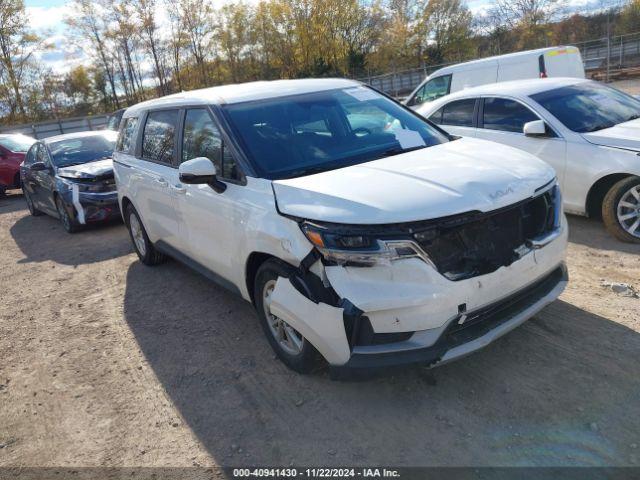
{"x":13,"y":148}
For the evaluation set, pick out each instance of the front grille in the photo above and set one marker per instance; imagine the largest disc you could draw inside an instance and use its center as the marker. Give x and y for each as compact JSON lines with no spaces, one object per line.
{"x":476,"y":244}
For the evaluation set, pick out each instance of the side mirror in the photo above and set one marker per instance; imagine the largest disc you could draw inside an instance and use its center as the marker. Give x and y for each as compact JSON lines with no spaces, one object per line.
{"x":537,"y":128}
{"x":38,"y":166}
{"x":200,"y":170}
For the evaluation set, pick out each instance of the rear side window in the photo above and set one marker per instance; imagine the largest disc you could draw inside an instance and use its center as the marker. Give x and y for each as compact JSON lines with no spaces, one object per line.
{"x":459,"y":113}
{"x":125,"y":137}
{"x":506,"y":115}
{"x":158,"y":140}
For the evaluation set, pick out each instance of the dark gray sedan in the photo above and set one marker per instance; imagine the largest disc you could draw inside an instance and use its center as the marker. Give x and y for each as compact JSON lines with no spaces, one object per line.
{"x":70,"y":177}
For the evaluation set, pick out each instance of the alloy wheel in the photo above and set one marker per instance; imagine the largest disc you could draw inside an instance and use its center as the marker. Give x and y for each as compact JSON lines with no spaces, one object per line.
{"x":628,"y":211}
{"x":137,"y":234}
{"x":288,"y":338}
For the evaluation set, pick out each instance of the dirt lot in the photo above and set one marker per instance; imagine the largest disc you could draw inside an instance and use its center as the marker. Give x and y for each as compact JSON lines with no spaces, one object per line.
{"x":106,"y":362}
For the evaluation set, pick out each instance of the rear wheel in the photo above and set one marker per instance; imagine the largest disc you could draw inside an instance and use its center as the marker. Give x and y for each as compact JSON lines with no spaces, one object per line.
{"x":30,"y":205}
{"x":621,"y":210}
{"x":147,"y":253}
{"x":289,"y":345}
{"x":68,"y":223}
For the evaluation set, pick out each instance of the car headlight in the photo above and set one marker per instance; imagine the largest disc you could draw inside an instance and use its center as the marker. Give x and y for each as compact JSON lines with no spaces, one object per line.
{"x":358,"y":248}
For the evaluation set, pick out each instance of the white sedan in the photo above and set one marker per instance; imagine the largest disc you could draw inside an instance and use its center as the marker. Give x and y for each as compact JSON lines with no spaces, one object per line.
{"x":588,"y":132}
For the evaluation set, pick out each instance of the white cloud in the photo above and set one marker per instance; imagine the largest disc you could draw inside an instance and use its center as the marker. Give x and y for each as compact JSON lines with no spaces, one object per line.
{"x":48,"y":18}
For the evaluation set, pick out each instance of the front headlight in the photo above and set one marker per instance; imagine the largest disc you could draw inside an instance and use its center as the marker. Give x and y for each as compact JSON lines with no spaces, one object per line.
{"x":357,"y":248}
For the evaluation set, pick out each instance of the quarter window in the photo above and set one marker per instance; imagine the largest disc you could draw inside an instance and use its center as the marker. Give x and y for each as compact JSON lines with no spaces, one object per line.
{"x":202,"y":138}
{"x":159,"y":136}
{"x":459,"y":113}
{"x":125,"y":137}
{"x":436,"y":117}
{"x":506,"y":115}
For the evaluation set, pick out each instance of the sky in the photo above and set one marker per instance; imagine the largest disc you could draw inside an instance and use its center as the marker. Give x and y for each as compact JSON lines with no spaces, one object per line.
{"x":47,"y":18}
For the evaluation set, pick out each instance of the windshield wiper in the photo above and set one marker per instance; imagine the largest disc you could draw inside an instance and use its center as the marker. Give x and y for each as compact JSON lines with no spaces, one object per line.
{"x":324,"y":168}
{"x":600,"y":126}
{"x":397,"y":151}
{"x":310,"y":171}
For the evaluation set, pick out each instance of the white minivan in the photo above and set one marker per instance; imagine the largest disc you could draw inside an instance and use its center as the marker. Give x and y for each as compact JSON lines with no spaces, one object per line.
{"x":541,"y":63}
{"x":362,"y":234}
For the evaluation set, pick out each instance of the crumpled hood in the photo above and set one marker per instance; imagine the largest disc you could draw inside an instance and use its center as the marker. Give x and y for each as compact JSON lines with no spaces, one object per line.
{"x":624,"y":135}
{"x":455,"y":177}
{"x":98,"y":169}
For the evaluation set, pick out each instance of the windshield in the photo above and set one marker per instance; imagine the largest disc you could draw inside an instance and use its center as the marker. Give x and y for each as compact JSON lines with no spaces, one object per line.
{"x":75,"y":151}
{"x":17,"y":143}
{"x":303,"y":134}
{"x":587,"y":107}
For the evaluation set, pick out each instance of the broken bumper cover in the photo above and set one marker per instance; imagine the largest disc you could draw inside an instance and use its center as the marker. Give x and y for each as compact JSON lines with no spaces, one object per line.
{"x":410,"y":313}
{"x":454,"y":339}
{"x":85,"y":207}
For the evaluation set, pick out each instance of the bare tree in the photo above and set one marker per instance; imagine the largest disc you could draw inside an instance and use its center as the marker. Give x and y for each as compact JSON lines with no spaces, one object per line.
{"x":89,"y":25}
{"x":146,"y":11}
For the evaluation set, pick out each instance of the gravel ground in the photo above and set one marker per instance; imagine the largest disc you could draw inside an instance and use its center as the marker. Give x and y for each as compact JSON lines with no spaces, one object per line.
{"x":106,"y":362}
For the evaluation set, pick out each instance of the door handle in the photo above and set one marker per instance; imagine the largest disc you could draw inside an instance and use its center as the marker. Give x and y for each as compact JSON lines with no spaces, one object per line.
{"x":178,"y":189}
{"x":162,"y":182}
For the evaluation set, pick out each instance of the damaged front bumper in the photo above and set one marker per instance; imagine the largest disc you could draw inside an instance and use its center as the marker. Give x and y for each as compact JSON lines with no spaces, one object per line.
{"x":408,"y":312}
{"x":86,"y":207}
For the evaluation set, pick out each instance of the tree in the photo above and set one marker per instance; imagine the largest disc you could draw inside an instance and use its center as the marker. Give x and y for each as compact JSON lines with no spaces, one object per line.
{"x":528,"y":19}
{"x":449,"y":24}
{"x":146,"y":10}
{"x":17,"y":46}
{"x":630,"y":17}
{"x":90,"y":27}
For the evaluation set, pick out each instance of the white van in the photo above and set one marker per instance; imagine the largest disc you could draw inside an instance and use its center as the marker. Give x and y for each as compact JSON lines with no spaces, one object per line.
{"x":541,"y":63}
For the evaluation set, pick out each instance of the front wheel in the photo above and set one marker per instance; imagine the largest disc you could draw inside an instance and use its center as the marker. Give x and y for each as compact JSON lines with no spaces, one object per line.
{"x":289,"y":345}
{"x":621,"y":210}
{"x":69,"y":225}
{"x":147,"y":253}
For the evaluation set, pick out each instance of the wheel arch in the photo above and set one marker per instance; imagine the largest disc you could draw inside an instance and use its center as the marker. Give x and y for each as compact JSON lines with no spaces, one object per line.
{"x":124,"y":204}
{"x":252,"y":265}
{"x":598,"y":190}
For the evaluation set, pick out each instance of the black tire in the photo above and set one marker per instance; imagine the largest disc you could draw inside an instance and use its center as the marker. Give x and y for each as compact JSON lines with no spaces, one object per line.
{"x":68,"y":223}
{"x":308,"y":359}
{"x":150,"y":256}
{"x":610,"y":209}
{"x":32,"y":209}
{"x":3,"y":190}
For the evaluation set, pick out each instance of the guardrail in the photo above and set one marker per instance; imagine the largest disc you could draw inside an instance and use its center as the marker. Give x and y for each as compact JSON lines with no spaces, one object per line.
{"x":58,"y":127}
